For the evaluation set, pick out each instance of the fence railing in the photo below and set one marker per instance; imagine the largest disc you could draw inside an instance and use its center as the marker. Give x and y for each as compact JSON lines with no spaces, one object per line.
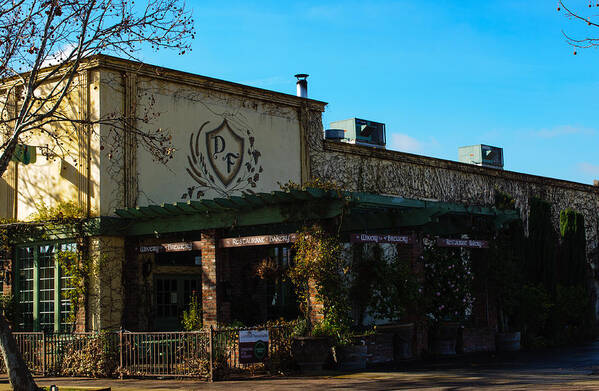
{"x":208,"y":354}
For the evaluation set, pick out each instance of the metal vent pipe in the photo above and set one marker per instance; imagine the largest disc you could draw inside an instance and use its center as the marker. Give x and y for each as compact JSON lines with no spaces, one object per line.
{"x":302,"y":85}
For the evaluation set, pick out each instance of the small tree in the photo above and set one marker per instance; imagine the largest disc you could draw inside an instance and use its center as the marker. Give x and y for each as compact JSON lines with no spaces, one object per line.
{"x":318,"y":264}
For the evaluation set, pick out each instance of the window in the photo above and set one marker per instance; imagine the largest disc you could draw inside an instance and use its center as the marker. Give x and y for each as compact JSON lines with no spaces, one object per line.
{"x":40,"y":288}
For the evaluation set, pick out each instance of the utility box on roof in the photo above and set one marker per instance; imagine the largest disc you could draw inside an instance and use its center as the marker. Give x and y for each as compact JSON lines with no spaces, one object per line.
{"x":481,"y":155}
{"x":362,"y":132}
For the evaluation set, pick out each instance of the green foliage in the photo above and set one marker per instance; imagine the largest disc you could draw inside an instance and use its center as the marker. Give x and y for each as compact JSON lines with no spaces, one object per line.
{"x":237,"y":324}
{"x":573,"y":260}
{"x":301,"y":328}
{"x":572,"y":305}
{"x":534,"y":310}
{"x":325,"y":328}
{"x":192,"y":316}
{"x":5,"y":237}
{"x":316,"y":183}
{"x":572,"y":313}
{"x":555,"y":306}
{"x":64,"y":216}
{"x":63,"y":210}
{"x":78,"y":270}
{"x":505,"y":275}
{"x":363,"y":274}
{"x":395,"y":287}
{"x":9,"y":306}
{"x":447,"y":283}
{"x":318,"y":261}
{"x":312,"y":209}
{"x":542,"y":249}
{"x":504,"y":201}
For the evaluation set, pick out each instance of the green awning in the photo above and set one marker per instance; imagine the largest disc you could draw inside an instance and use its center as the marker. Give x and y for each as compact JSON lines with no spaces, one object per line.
{"x":359,"y":210}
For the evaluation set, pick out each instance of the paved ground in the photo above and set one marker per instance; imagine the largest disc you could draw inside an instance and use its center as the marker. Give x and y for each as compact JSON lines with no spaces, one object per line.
{"x":556,"y":369}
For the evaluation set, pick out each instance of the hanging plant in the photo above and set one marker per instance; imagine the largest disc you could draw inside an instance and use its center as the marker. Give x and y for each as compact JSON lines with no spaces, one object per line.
{"x":268,"y":269}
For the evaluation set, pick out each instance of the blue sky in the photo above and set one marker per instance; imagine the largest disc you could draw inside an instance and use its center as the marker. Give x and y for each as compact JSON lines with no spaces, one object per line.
{"x":440,"y":74}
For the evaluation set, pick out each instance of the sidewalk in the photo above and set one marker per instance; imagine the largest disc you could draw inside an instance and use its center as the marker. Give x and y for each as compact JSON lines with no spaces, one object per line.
{"x":434,"y":380}
{"x":554,"y":369}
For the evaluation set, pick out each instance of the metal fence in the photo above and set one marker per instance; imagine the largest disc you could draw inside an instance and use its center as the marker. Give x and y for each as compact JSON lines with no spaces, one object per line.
{"x":226,"y":354}
{"x":208,"y":354}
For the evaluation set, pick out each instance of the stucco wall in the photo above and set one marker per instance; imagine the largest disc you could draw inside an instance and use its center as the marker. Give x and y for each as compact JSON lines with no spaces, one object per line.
{"x":225,"y":139}
{"x":269,"y":133}
{"x":63,"y":166}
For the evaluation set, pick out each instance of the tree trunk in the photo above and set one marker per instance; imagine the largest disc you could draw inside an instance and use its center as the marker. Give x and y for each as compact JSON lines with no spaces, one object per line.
{"x":18,"y":374}
{"x":6,"y":155}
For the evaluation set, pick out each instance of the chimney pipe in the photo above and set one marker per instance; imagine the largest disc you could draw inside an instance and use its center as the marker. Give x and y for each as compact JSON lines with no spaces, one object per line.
{"x":302,"y":85}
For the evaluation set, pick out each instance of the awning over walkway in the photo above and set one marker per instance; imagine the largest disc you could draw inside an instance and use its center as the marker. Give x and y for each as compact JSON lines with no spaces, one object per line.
{"x":358,"y":211}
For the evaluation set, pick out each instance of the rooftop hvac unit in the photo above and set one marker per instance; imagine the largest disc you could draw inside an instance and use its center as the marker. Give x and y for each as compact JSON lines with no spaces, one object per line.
{"x":481,"y":155}
{"x":362,"y":132}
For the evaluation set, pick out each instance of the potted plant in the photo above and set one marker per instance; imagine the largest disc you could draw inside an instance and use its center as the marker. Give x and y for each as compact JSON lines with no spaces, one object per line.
{"x":394,"y":292}
{"x":310,"y":345}
{"x":318,"y":275}
{"x":447,"y":294}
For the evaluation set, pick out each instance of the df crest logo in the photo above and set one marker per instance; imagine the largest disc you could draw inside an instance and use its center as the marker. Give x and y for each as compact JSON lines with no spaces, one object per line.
{"x":222,"y":159}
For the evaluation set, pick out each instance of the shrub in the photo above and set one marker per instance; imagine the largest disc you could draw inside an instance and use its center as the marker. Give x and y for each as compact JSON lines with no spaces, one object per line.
{"x":94,"y":356}
{"x":192,"y":316}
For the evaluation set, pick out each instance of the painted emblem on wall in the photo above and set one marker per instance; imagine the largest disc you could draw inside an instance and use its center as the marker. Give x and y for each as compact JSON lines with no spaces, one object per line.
{"x":225,"y":150}
{"x":222,"y":159}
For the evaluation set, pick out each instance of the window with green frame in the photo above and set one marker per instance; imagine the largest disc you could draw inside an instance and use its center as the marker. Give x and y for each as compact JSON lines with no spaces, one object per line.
{"x":40,"y":288}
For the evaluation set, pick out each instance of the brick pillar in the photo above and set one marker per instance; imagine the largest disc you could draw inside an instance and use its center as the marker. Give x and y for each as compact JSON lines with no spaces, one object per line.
{"x":80,"y":317}
{"x":7,"y":285}
{"x":209,"y":244}
{"x":316,"y":305}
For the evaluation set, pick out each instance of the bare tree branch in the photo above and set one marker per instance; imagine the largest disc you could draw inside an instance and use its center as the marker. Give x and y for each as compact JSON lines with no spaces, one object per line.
{"x":43,"y":44}
{"x":589,"y":21}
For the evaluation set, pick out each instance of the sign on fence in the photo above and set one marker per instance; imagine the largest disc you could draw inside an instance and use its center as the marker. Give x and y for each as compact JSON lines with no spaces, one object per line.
{"x":253,"y":346}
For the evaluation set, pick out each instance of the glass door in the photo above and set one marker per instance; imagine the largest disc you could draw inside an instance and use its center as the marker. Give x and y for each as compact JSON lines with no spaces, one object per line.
{"x":172,"y":296}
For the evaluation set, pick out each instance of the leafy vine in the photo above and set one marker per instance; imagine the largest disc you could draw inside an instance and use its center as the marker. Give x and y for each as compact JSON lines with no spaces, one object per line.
{"x":319,"y":264}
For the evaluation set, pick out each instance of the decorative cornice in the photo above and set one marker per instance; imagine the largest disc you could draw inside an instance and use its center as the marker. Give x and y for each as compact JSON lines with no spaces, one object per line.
{"x":333,"y":146}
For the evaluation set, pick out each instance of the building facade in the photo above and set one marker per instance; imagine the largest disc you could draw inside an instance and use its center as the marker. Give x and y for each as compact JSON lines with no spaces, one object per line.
{"x":159,"y":234}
